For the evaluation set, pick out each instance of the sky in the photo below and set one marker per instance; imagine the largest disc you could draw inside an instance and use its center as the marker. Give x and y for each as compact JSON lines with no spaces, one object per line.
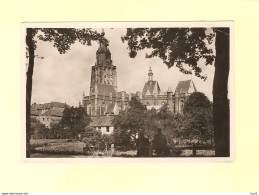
{"x":64,"y":77}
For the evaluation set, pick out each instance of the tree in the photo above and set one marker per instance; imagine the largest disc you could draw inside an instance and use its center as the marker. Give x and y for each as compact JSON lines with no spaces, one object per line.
{"x":74,"y":121}
{"x":198,"y":117}
{"x":172,"y":124}
{"x":39,"y":130}
{"x":183,"y":47}
{"x":57,"y":131}
{"x":129,"y":122}
{"x":62,"y":39}
{"x":151,"y":122}
{"x":92,"y":137}
{"x":107,"y":140}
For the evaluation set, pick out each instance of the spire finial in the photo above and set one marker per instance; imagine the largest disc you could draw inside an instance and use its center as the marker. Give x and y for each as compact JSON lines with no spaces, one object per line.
{"x":150,"y":74}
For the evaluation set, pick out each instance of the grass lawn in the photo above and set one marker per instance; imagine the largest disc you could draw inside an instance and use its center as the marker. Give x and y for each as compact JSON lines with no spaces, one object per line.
{"x":56,"y":146}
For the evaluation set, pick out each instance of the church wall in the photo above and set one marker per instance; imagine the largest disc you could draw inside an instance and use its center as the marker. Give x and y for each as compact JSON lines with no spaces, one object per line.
{"x":153,"y":101}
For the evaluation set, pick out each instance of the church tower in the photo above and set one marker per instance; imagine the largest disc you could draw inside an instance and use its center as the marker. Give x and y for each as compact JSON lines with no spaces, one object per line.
{"x":103,"y":72}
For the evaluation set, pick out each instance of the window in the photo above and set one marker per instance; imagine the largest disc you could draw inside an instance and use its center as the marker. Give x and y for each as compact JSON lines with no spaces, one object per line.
{"x":43,"y":119}
{"x":103,"y":108}
{"x":98,"y":110}
{"x":107,"y":129}
{"x":181,"y":105}
{"x":89,"y":110}
{"x":99,"y":128}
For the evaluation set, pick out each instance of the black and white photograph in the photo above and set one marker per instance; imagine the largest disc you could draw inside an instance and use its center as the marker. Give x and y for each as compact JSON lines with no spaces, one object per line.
{"x":127,"y":90}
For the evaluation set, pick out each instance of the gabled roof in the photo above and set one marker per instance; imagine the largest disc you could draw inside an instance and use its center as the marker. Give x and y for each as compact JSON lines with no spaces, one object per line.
{"x":184,"y":86}
{"x":59,"y":104}
{"x":35,"y":112}
{"x":50,"y":105}
{"x":110,"y":108}
{"x":150,"y":86}
{"x":103,"y":89}
{"x":54,"y":112}
{"x":101,"y":121}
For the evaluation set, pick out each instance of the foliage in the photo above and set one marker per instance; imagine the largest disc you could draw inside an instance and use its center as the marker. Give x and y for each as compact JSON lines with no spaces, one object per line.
{"x":129,"y":122}
{"x":151,"y":122}
{"x":186,"y":46}
{"x":74,"y":121}
{"x":107,"y":139}
{"x":62,"y":39}
{"x":39,"y":130}
{"x":198,"y":117}
{"x":57,"y":131}
{"x":175,"y":46}
{"x":92,"y":137}
{"x":172,"y":124}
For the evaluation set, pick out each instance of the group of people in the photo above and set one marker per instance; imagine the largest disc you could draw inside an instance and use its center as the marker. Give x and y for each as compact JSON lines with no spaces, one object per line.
{"x":159,"y":144}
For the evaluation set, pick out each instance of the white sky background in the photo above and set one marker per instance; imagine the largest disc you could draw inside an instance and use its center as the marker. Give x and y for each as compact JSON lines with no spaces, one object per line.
{"x":63,"y":78}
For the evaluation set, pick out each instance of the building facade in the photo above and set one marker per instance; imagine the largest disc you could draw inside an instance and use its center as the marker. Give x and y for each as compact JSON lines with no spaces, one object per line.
{"x":104,"y":100}
{"x":153,"y":97}
{"x":48,"y":113}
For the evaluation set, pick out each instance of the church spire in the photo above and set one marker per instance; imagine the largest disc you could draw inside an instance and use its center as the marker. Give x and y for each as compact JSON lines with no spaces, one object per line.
{"x":102,"y":40}
{"x":103,"y":54}
{"x":150,"y":74}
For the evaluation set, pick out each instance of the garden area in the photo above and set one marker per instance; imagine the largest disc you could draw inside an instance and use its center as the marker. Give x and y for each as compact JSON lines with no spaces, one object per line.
{"x":187,"y":134}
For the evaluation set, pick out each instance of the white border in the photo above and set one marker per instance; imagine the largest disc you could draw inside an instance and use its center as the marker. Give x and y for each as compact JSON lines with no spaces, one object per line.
{"x":136,"y":24}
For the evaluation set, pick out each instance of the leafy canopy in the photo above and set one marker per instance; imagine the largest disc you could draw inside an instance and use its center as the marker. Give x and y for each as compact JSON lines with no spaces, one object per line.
{"x":175,"y":46}
{"x":75,"y":120}
{"x":129,"y":122}
{"x":63,"y":38}
{"x":198,"y":117}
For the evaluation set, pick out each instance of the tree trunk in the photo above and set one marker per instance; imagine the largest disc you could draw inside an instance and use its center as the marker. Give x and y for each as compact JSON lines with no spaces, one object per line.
{"x":29,"y":73}
{"x":220,"y":93}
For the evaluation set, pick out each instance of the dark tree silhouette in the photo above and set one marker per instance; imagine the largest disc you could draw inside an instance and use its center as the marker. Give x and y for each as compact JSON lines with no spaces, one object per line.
{"x":74,"y":121}
{"x":62,"y":39}
{"x":129,"y":122}
{"x":91,"y":137}
{"x":198,"y":117}
{"x":186,"y":46}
